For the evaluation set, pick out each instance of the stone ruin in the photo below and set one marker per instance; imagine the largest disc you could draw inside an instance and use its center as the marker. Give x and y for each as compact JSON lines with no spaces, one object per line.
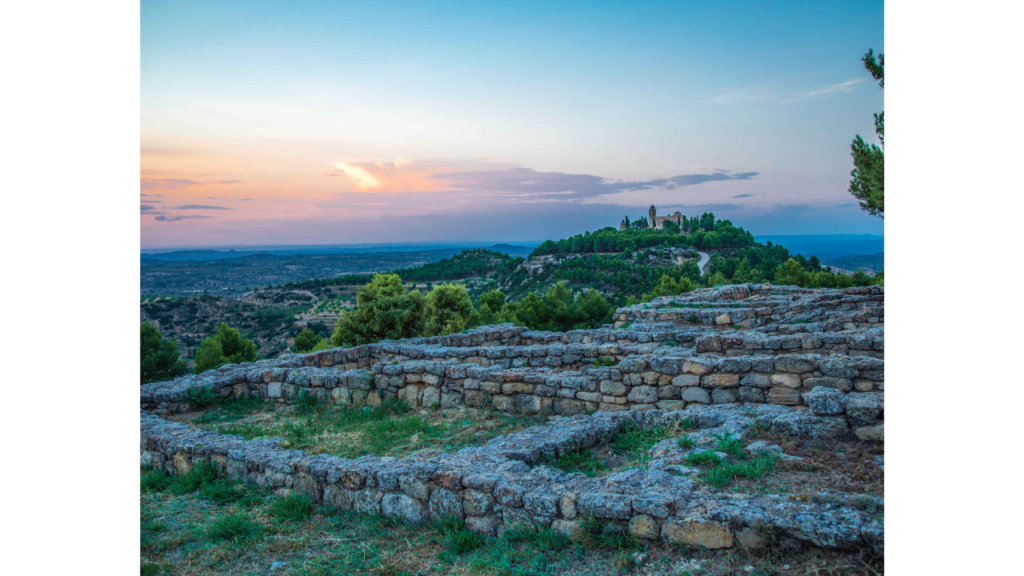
{"x":800,"y":362}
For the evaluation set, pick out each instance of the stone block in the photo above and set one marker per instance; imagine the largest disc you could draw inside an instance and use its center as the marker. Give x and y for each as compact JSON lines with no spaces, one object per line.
{"x":749,"y":394}
{"x":686,"y":380}
{"x":875,"y":433}
{"x":483,"y":524}
{"x":841,"y":384}
{"x":723,"y":396}
{"x":797,"y":363}
{"x":784,"y":395}
{"x":695,"y":394}
{"x":643,"y":526}
{"x":670,"y":405}
{"x":785,"y":380}
{"x":693,"y":532}
{"x":477,"y":503}
{"x":720,"y":380}
{"x":643,"y":394}
{"x":613,"y":388}
{"x":700,"y":365}
{"x":825,"y":401}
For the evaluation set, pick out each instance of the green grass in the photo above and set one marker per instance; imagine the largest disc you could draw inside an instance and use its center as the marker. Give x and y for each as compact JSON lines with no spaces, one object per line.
{"x":721,"y":476}
{"x":294,"y":508}
{"x":731,"y":446}
{"x":583,"y":461}
{"x":633,"y":442}
{"x":231,"y":409}
{"x":221,"y":492}
{"x":157,"y":481}
{"x":704,"y":458}
{"x":196,"y":478}
{"x":233,"y":527}
{"x":603,"y":361}
{"x":686,"y":442}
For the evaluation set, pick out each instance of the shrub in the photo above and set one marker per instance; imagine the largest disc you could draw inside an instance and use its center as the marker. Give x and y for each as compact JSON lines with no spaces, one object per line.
{"x":385,"y":310}
{"x":704,"y":458}
{"x":201,"y":397}
{"x":307,"y":340}
{"x":686,"y":442}
{"x":449,"y":310}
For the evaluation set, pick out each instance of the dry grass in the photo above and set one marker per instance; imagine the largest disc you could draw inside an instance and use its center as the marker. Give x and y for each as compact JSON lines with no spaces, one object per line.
{"x":389,"y":430}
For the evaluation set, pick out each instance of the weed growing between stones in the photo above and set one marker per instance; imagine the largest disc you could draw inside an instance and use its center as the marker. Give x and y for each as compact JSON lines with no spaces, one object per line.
{"x":583,"y":461}
{"x":720,"y":472}
{"x":686,"y":442}
{"x":731,"y":446}
{"x":633,"y":442}
{"x":603,"y":361}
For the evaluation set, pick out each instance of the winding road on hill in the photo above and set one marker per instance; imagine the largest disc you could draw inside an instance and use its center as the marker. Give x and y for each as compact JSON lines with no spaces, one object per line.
{"x":704,"y":258}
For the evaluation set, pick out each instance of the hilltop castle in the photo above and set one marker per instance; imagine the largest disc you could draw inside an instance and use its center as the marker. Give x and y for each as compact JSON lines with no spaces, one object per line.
{"x":658,"y":222}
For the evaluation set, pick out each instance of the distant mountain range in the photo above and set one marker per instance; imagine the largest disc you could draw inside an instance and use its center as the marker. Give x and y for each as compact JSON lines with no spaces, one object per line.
{"x":158,"y":256}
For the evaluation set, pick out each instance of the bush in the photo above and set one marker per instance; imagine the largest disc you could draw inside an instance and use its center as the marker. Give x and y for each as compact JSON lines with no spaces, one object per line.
{"x":159,"y":357}
{"x":200,"y":475}
{"x":201,"y":397}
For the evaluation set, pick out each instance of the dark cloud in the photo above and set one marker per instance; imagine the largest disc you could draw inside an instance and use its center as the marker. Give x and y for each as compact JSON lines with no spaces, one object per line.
{"x":720,"y":170}
{"x":743,"y":196}
{"x":524,"y":182}
{"x":201,"y":207}
{"x":163,"y":218}
{"x":166,"y":184}
{"x":153,"y":195}
{"x":145,"y":208}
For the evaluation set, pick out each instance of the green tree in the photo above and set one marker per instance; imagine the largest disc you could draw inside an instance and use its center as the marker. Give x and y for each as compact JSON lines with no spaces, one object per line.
{"x":385,"y":310}
{"x":868,"y":176}
{"x":487,"y":316}
{"x":494,"y":299}
{"x":594,"y":309}
{"x":209,"y":355}
{"x":449,"y":310}
{"x":160,"y":357}
{"x":225,"y":346}
{"x":668,"y":286}
{"x":792,"y":273}
{"x":307,"y":340}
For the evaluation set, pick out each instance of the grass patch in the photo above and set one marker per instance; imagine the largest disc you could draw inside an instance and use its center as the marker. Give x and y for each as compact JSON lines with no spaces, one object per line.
{"x":233,"y":527}
{"x":721,"y":476}
{"x":603,"y":361}
{"x":200,"y":475}
{"x":156,"y":481}
{"x":221,"y":492}
{"x":731,"y":446}
{"x":583,"y":461}
{"x":391,"y":429}
{"x":704,"y":458}
{"x":633,"y":442}
{"x":686,"y":442}
{"x":294,"y":508}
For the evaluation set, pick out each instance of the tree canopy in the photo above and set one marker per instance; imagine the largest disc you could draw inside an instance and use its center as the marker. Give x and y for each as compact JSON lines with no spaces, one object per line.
{"x":868,"y":176}
{"x":225,"y":346}
{"x":160,"y":357}
{"x":385,"y":309}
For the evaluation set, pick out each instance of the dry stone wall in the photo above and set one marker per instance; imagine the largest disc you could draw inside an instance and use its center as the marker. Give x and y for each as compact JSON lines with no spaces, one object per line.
{"x":649,"y":366}
{"x":506,"y":483}
{"x":799,"y":362}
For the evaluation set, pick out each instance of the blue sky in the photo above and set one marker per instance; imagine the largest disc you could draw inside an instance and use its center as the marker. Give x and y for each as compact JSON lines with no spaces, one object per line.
{"x":341,"y":122}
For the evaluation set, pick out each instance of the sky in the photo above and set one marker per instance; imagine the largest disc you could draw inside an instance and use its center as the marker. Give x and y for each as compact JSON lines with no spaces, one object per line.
{"x":276,"y":123}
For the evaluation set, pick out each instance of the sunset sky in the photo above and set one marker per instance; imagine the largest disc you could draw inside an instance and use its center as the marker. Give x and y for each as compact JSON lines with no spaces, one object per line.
{"x":274,"y":123}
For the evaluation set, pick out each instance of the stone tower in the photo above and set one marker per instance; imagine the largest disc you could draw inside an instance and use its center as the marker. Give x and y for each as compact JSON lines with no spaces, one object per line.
{"x":652,"y":216}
